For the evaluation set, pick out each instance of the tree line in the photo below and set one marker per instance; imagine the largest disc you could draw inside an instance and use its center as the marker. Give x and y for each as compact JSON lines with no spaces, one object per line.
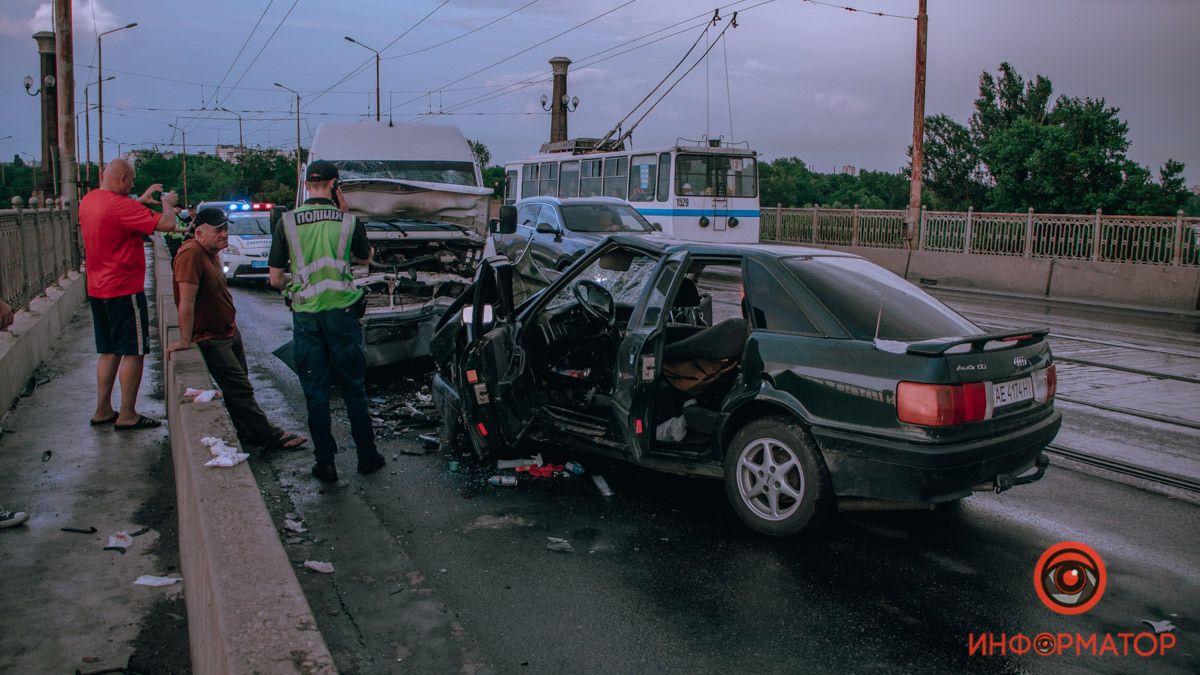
{"x":1021,"y":148}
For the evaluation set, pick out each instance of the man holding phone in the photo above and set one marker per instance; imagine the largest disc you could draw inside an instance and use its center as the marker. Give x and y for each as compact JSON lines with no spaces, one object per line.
{"x":317,"y":243}
{"x":113,"y":226}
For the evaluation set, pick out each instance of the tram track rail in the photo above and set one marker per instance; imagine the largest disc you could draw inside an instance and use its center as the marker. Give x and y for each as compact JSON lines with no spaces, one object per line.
{"x":1127,"y":469}
{"x":1165,"y":419}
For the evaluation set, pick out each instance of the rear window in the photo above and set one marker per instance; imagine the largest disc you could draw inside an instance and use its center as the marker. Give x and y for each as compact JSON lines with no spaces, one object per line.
{"x":858,"y":292}
{"x":456,"y":173}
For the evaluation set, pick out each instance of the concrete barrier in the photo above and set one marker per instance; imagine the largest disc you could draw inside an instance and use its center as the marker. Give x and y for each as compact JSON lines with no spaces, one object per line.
{"x":1147,"y":286}
{"x":25,"y":344}
{"x":246,"y":612}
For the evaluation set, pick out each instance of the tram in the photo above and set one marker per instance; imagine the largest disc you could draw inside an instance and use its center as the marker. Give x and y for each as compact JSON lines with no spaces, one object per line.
{"x":695,"y":190}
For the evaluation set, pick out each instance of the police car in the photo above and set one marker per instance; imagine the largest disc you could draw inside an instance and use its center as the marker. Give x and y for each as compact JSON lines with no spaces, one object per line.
{"x":249,"y":238}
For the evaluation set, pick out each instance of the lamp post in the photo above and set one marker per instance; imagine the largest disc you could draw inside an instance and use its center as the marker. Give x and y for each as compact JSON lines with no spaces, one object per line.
{"x":87,"y":130}
{"x":185,"y":190}
{"x":241,"y":143}
{"x":376,"y":52}
{"x":100,"y":87}
{"x":297,"y":133}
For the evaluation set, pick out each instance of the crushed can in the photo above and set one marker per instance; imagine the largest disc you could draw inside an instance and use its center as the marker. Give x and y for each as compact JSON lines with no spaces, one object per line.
{"x":503,"y":481}
{"x":575,"y":468}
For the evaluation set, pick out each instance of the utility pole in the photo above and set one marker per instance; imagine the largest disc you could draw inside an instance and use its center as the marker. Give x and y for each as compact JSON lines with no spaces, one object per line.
{"x":49,"y":100}
{"x":241,"y":143}
{"x":64,"y":42}
{"x":913,"y":216}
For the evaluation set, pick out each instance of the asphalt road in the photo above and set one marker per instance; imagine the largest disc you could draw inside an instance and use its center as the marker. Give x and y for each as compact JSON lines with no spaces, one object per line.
{"x":437,"y":572}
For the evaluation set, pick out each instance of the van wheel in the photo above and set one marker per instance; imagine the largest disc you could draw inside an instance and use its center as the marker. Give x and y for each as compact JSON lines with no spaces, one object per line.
{"x":775,"y":477}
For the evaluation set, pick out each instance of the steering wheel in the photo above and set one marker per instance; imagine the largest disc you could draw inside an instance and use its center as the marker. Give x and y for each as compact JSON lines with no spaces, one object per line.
{"x":595,"y":301}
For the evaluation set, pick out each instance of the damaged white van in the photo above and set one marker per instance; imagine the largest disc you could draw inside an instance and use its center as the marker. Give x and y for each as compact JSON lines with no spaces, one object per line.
{"x":419,"y":192}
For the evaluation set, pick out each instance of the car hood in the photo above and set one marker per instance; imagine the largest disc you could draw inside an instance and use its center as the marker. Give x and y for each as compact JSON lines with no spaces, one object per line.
{"x":390,"y":198}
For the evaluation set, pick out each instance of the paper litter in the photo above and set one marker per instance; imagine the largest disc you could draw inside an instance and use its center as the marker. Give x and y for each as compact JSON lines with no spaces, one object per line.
{"x":120,"y":540}
{"x":151,"y":580}
{"x":318,"y":566}
{"x":201,"y":395}
{"x":223,"y":454}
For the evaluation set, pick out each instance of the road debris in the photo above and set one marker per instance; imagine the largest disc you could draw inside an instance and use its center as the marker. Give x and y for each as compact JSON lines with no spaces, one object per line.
{"x":294,"y":526}
{"x":119,"y":541}
{"x":151,"y":580}
{"x":79,"y":530}
{"x":224,"y":455}
{"x":502,"y":464}
{"x":574,"y":467}
{"x":452,"y":466}
{"x":140,"y":532}
{"x":194,"y":395}
{"x":319,"y":566}
{"x":1164,"y":626}
{"x":559,"y":545}
{"x":503,"y":481}
{"x":602,"y":485}
{"x":47,"y":455}
{"x":430,"y":441}
{"x":545,"y":471}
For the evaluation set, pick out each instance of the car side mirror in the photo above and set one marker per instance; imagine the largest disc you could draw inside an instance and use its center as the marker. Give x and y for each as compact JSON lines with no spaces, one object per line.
{"x":508,"y":220}
{"x":657,"y":227}
{"x":468,"y":315}
{"x":546,"y":228}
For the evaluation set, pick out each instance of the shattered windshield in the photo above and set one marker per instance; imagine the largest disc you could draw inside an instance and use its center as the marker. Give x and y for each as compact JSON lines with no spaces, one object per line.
{"x":454,"y":173}
{"x":623,"y":272}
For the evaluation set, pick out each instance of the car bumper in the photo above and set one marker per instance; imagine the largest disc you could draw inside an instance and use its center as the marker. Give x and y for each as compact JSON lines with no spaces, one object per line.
{"x":873,"y":468}
{"x":400,"y":335}
{"x":244,"y":267}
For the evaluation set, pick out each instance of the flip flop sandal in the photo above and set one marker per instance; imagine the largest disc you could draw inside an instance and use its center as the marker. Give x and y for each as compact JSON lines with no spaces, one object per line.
{"x":109,"y":420}
{"x":289,"y":441}
{"x":142,"y":423}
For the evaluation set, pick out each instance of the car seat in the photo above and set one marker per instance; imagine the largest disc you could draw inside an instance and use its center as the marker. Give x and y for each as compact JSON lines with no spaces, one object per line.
{"x":694,"y":363}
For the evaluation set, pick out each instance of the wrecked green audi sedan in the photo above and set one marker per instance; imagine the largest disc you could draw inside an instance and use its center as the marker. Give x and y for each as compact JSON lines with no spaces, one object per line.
{"x":808,"y":380}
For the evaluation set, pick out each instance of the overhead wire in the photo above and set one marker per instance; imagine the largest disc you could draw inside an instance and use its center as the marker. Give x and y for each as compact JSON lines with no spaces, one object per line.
{"x":523,"y":51}
{"x":238,"y":56}
{"x":463,"y":35}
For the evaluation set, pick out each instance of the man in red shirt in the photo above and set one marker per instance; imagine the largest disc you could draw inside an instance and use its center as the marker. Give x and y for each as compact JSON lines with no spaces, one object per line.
{"x":113,"y":226}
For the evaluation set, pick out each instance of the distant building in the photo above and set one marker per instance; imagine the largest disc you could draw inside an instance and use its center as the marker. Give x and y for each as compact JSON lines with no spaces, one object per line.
{"x":848,"y":169}
{"x":228,"y":153}
{"x":1196,"y":189}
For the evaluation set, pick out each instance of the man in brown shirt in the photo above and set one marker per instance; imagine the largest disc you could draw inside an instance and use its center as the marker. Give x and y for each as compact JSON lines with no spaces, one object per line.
{"x":208,"y":319}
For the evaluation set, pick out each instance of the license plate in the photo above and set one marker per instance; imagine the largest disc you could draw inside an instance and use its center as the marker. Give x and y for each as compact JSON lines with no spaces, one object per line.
{"x":1012,"y":391}
{"x":258,"y":264}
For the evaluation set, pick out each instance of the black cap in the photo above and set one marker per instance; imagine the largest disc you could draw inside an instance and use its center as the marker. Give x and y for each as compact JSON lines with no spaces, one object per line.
{"x":210,"y":216}
{"x":320,"y":170}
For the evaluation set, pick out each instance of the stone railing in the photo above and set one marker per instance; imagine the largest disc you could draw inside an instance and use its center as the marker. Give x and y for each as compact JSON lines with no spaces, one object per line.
{"x":38,"y":244}
{"x":1151,"y":240}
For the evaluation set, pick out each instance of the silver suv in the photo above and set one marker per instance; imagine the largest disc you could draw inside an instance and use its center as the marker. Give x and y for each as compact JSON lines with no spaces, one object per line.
{"x":551,"y":233}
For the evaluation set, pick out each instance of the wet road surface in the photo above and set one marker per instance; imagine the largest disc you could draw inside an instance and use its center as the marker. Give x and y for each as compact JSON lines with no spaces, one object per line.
{"x":437,"y":572}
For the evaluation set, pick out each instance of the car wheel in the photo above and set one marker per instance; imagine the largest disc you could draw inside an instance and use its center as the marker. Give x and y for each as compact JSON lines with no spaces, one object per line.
{"x":775,"y":477}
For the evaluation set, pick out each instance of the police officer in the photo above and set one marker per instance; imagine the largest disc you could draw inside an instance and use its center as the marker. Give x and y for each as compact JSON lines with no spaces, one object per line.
{"x":316,"y":243}
{"x":175,"y":239}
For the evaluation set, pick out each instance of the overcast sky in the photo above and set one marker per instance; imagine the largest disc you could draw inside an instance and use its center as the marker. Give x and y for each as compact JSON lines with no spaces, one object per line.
{"x":801,"y":79}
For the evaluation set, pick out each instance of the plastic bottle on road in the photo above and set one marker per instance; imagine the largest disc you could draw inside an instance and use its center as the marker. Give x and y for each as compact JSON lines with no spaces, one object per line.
{"x":503,"y":481}
{"x":575,"y":468}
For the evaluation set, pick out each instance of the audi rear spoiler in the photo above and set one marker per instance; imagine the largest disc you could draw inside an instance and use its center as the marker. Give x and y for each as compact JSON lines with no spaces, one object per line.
{"x":1018,"y":338}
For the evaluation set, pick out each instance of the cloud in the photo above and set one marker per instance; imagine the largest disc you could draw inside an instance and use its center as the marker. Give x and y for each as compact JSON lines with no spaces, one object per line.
{"x":89,"y":16}
{"x":843,"y":104}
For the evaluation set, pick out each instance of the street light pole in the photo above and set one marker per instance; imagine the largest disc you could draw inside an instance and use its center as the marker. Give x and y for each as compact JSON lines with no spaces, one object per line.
{"x":376,"y":52}
{"x":185,"y":190}
{"x":241,"y":143}
{"x":913,"y":217}
{"x":100,"y":87}
{"x":87,"y":131}
{"x":298,"y":176}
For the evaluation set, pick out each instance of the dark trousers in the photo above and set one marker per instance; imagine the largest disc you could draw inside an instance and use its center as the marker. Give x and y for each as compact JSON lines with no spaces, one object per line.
{"x":226,"y":361}
{"x":328,"y":346}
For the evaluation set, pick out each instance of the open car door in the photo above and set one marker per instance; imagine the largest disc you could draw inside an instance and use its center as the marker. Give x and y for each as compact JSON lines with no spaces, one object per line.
{"x":639,"y":359}
{"x":495,"y":383}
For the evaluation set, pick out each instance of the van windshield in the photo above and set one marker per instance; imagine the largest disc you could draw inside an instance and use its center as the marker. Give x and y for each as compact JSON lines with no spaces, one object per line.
{"x":454,"y":173}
